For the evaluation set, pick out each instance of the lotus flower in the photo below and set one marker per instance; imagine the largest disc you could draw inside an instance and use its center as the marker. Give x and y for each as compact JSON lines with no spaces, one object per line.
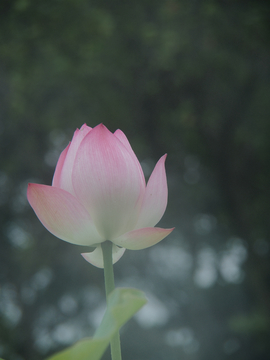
{"x":98,"y":193}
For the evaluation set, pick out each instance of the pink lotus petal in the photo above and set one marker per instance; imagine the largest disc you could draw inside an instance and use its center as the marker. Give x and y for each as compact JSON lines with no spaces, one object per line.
{"x":155,"y":197}
{"x":62,"y":214}
{"x":58,"y":170}
{"x":96,"y":257}
{"x":108,"y":181}
{"x":124,"y":140}
{"x":65,"y":179}
{"x":142,"y":238}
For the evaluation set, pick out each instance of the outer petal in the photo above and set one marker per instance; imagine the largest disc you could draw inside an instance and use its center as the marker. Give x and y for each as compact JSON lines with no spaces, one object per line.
{"x":62,"y":214}
{"x":155,"y":197}
{"x":109,"y":183}
{"x":142,"y":238}
{"x":96,"y":257}
{"x":64,"y":181}
{"x":59,"y":166}
{"x":124,"y":140}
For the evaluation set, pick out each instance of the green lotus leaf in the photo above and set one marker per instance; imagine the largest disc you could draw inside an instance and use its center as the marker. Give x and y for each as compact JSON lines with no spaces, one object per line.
{"x":122,"y":305}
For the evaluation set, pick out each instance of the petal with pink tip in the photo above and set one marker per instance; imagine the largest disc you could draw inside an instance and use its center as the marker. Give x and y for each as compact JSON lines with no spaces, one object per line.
{"x":155,"y":197}
{"x":62,"y":214}
{"x":59,"y":166}
{"x":65,"y":179}
{"x":124,"y":140}
{"x":142,"y":238}
{"x":108,"y":182}
{"x":96,"y":257}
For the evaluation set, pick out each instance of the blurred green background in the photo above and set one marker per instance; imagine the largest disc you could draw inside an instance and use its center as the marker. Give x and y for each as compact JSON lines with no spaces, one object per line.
{"x":185,"y":77}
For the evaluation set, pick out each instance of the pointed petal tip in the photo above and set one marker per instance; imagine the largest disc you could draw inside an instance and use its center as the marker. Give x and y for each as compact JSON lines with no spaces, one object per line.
{"x":29,"y":186}
{"x":142,"y":238}
{"x":100,"y":130}
{"x":118,"y":131}
{"x":84,"y":126}
{"x":163,"y":158}
{"x":32,"y":187}
{"x":101,"y":126}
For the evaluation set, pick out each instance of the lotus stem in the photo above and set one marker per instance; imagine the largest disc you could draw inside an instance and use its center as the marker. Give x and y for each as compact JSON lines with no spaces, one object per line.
{"x":109,"y":287}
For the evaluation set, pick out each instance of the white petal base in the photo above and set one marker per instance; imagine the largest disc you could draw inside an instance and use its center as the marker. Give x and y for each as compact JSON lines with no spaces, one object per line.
{"x":96,"y":257}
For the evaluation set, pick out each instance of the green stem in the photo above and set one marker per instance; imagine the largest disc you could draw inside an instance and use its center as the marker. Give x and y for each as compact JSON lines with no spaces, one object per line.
{"x":109,"y":287}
